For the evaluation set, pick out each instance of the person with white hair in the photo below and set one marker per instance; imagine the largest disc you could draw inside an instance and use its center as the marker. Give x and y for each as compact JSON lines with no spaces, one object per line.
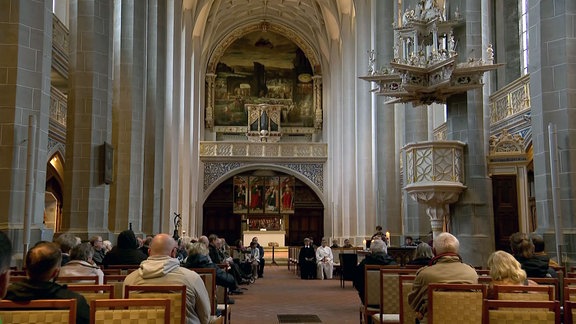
{"x":378,"y":256}
{"x":445,"y":267}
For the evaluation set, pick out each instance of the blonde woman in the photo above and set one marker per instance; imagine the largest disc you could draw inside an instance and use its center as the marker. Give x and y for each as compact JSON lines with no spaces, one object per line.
{"x":506,"y":270}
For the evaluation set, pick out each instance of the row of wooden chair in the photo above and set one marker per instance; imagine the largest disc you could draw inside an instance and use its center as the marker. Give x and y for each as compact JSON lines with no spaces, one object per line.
{"x":387,"y":288}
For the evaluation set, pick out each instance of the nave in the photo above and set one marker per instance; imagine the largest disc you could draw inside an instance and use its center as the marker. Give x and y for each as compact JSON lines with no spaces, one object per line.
{"x":283,"y":292}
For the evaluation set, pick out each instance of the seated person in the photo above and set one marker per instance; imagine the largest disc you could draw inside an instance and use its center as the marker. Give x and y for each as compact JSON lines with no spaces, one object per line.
{"x":422,"y":255}
{"x":254,"y":259}
{"x":261,"y":262}
{"x":81,"y":263}
{"x":307,"y":260}
{"x":198,"y":258}
{"x":347,"y":244}
{"x":5,"y":259}
{"x":334,"y":244}
{"x":408,"y":242}
{"x":163,"y":268}
{"x":126,"y":251}
{"x":523,"y":250}
{"x":539,"y":250}
{"x":378,"y":256}
{"x":445,"y":267}
{"x":324,"y":261}
{"x":505,"y":270}
{"x":43,"y":263}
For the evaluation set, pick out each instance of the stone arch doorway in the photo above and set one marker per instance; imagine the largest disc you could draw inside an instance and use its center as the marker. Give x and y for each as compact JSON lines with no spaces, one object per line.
{"x":54,"y":194}
{"x":307,"y":220}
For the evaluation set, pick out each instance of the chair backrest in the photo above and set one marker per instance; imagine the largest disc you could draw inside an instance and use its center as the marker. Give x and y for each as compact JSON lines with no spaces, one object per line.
{"x":549,"y":281}
{"x":39,"y":311}
{"x":92,"y":292}
{"x":510,"y":292}
{"x":348,"y":263}
{"x":569,"y":293}
{"x":77,"y":280}
{"x":456,"y":303}
{"x":117,"y":281}
{"x":175,"y":293}
{"x":521,"y":311}
{"x":372,"y":285}
{"x":569,"y":311}
{"x":407,"y":314}
{"x":208,"y":275}
{"x":123,"y":311}
{"x":390,"y":289}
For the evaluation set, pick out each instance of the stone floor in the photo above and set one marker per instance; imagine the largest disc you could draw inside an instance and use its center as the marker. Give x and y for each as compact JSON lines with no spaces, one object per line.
{"x":283,"y":292}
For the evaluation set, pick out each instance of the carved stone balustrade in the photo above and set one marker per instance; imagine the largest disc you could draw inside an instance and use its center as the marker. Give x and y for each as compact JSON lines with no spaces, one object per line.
{"x":434,"y":176}
{"x":263,"y":152}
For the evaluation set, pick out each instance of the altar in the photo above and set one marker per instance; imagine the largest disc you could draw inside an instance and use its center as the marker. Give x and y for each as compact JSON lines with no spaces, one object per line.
{"x":265,"y":237}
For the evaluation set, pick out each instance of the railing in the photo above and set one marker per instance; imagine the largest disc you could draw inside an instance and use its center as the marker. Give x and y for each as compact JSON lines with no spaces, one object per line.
{"x":313,"y":152}
{"x":58,"y":106}
{"x":510,"y":100}
{"x":60,"y":45}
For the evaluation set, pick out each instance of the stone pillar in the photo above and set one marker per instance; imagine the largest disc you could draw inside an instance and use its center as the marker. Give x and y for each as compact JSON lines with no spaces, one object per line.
{"x":25,"y":62}
{"x":128,"y":115}
{"x":416,"y":221}
{"x":471,"y":218}
{"x":552,"y":83}
{"x":154,"y":117}
{"x":89,"y":117}
{"x":364,"y":140}
{"x":387,"y":154}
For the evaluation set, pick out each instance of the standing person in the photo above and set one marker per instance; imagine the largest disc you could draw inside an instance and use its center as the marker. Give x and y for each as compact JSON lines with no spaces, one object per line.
{"x":261,"y":262}
{"x":126,"y":251}
{"x":5,"y":259}
{"x":162,"y":268}
{"x":43,"y":262}
{"x":99,"y":251}
{"x":82,"y":264}
{"x":378,"y":233}
{"x":378,"y":256}
{"x":446,"y":267}
{"x":307,"y":261}
{"x":325,"y":261}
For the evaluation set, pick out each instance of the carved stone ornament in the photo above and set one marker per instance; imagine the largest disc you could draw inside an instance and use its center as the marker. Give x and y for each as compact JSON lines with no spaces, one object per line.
{"x":506,"y":143}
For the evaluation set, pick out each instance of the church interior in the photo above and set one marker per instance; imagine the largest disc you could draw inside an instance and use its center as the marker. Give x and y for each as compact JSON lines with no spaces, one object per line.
{"x":290,"y":119}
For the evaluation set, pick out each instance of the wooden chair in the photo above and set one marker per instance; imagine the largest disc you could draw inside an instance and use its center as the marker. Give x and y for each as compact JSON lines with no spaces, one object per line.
{"x":208,"y":275}
{"x":92,"y":292}
{"x":77,"y":280}
{"x":455,"y":303}
{"x":569,"y":311}
{"x":175,"y":293}
{"x":521,"y":311}
{"x":551,"y":282}
{"x":371,"y":303}
{"x":569,"y":293}
{"x":483,"y":272}
{"x":512,"y":292}
{"x":18,"y":273}
{"x":348,"y":263}
{"x":390,"y":299}
{"x":130,"y":311}
{"x":117,"y":281}
{"x":407,"y":314}
{"x":39,"y":311}
{"x":124,"y":268}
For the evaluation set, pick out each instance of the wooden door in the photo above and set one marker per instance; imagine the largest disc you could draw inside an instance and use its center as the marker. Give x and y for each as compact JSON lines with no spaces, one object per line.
{"x":505,"y":201}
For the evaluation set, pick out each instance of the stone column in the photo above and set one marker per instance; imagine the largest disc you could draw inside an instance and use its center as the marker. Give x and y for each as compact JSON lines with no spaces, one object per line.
{"x":25,"y":62}
{"x":364,"y":140}
{"x":387,"y":154}
{"x":552,"y":75}
{"x":154,"y":117}
{"x":128,"y":115}
{"x":89,"y":117}
{"x":471,"y":218}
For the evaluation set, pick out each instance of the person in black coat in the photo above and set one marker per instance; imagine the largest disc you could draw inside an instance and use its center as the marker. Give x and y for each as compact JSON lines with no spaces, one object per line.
{"x":378,"y":256}
{"x":307,"y":260}
{"x":422,"y":255}
{"x":126,"y":251}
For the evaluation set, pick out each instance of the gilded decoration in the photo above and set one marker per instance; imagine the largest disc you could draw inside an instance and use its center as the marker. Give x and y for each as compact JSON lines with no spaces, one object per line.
{"x":511,"y":100}
{"x":271,"y":67}
{"x":263,"y":152}
{"x":506,"y":143}
{"x":311,"y":171}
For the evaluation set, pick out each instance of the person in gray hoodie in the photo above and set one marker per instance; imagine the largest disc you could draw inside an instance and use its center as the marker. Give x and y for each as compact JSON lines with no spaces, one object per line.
{"x":163,"y":268}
